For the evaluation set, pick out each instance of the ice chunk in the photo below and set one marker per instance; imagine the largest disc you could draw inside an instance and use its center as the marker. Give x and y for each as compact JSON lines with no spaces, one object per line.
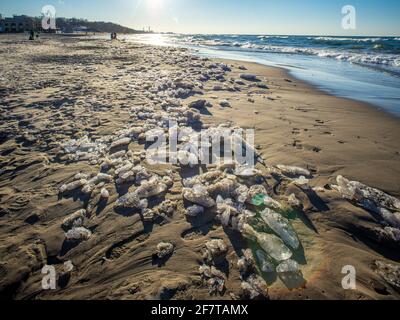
{"x":241,"y":194}
{"x":198,"y":195}
{"x":389,"y":272}
{"x":79,"y":233}
{"x":229,"y":212}
{"x":215,"y":251}
{"x":294,"y":171}
{"x":148,"y":215}
{"x":246,"y":262}
{"x":257,"y":189}
{"x":214,"y":279}
{"x":101,"y":177}
{"x":393,"y":233}
{"x":194,"y":211}
{"x":121,"y":142}
{"x":151,"y":188}
{"x":75,"y":219}
{"x":167,"y":208}
{"x":265,"y":262}
{"x":80,"y":176}
{"x":88,"y":188}
{"x":281,"y":226}
{"x":371,"y":199}
{"x":288,"y":266}
{"x":131,"y":201}
{"x":122,"y":170}
{"x":271,"y":203}
{"x":73,"y":185}
{"x":302,"y":181}
{"x":227,"y":165}
{"x":247,"y":172}
{"x":224,"y":188}
{"x":271,"y":244}
{"x":393,"y":219}
{"x":254,"y":287}
{"x":164,"y":249}
{"x":104,"y":193}
{"x":265,"y":200}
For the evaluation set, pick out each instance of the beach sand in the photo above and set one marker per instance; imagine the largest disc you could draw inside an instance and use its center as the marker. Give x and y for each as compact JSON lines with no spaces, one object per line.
{"x":62,"y":88}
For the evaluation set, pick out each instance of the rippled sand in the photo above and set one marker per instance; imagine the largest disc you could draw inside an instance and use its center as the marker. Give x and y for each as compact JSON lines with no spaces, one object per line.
{"x":63,"y":88}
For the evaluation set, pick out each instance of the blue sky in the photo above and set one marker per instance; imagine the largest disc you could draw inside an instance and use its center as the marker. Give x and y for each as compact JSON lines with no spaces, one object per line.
{"x":308,"y":17}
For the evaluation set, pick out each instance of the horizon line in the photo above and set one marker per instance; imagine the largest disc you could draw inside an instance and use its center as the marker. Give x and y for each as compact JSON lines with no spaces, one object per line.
{"x":219,"y":33}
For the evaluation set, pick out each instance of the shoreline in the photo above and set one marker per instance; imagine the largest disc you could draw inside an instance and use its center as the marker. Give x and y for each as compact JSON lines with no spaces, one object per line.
{"x":69,"y":88}
{"x":326,"y":73}
{"x":358,"y":109}
{"x":310,"y":86}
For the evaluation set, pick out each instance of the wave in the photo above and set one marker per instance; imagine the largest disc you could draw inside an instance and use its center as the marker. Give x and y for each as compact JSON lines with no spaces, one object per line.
{"x":380,"y":51}
{"x":361,"y":58}
{"x":348,"y":39}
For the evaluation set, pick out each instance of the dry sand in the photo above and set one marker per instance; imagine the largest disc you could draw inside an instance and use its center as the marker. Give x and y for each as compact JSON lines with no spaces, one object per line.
{"x":61,"y":88}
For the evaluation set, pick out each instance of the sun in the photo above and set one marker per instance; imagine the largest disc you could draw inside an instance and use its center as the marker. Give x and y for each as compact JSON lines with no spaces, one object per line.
{"x":154,"y":4}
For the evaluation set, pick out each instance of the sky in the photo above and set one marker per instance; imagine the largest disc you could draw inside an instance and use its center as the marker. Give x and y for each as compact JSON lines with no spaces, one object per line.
{"x":281,"y":17}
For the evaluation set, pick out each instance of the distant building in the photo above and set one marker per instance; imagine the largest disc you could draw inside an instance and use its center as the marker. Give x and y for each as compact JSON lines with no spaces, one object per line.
{"x":17,"y":24}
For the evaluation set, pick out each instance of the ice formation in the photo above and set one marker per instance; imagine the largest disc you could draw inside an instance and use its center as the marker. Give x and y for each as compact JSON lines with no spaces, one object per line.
{"x":78,"y":233}
{"x":164,"y":249}
{"x":288,"y":266}
{"x":266,"y":263}
{"x":130,"y":201}
{"x":151,"y":188}
{"x":214,"y":279}
{"x":228,"y":190}
{"x":194,"y":211}
{"x":199,"y":195}
{"x":254,"y":287}
{"x":246,"y":263}
{"x":215,"y":251}
{"x":74,"y":220}
{"x":294,"y":171}
{"x":73,"y":185}
{"x":282,"y":227}
{"x":270,"y":243}
{"x":105,"y":194}
{"x":388,"y":207}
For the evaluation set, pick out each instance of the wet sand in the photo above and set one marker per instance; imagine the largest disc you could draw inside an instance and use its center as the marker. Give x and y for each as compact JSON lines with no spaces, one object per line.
{"x":64,"y":88}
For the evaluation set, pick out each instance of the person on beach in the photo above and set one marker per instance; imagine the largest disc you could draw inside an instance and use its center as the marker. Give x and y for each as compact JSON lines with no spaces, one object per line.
{"x":114,"y":36}
{"x":32,"y":35}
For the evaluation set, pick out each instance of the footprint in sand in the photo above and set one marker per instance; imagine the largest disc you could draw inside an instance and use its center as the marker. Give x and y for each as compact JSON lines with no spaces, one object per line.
{"x":296,"y":131}
{"x":120,"y":248}
{"x":193,"y":234}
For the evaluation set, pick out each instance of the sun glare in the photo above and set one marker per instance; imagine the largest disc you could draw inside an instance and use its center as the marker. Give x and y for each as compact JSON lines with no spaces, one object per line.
{"x":154,"y":4}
